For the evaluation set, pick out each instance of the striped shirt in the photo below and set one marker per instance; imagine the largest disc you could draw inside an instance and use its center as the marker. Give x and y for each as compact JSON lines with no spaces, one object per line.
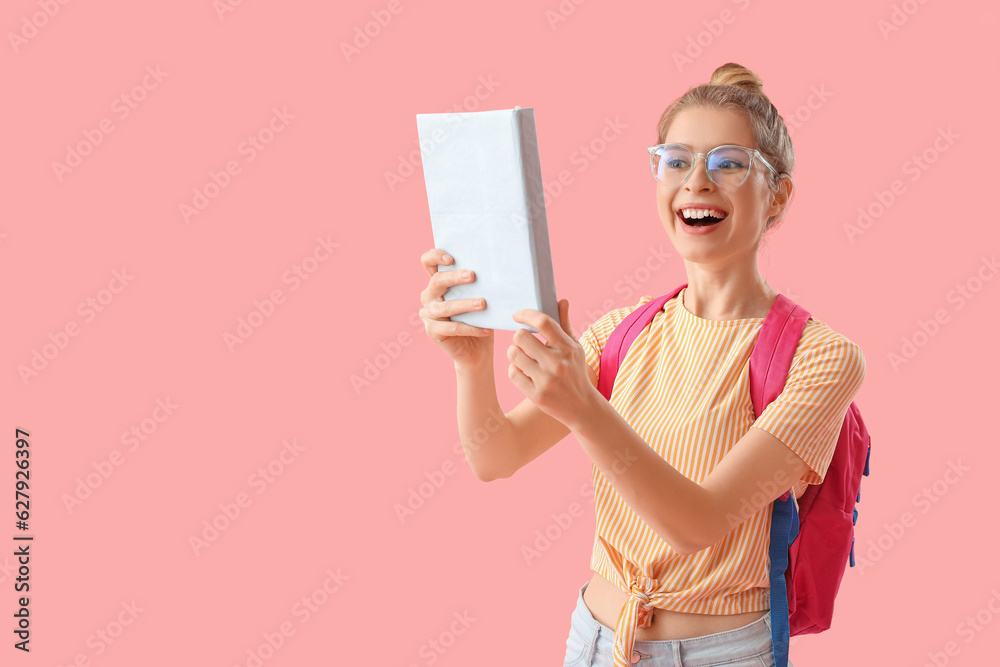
{"x":684,"y":389}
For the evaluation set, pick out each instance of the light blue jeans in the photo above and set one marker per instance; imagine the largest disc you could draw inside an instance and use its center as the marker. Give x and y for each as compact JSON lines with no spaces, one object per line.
{"x":591,"y":644}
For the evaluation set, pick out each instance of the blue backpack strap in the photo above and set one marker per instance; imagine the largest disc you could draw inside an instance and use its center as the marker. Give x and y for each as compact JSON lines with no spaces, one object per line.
{"x":784,"y":529}
{"x":770,"y":362}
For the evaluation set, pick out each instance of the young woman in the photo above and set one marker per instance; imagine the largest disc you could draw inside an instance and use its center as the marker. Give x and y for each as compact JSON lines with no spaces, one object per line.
{"x":684,"y":476}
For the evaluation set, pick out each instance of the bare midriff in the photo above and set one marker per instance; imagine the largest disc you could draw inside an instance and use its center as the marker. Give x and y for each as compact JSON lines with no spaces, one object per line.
{"x":605,"y":600}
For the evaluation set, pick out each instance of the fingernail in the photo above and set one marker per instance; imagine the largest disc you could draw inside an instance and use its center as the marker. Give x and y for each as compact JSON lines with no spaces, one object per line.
{"x":446,"y":258}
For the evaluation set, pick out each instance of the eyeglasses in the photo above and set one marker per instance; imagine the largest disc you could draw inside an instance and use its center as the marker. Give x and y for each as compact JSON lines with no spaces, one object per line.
{"x":728,"y":166}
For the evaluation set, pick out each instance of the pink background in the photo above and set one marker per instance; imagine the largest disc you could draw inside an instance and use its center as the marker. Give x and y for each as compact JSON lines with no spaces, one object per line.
{"x":331,"y":507}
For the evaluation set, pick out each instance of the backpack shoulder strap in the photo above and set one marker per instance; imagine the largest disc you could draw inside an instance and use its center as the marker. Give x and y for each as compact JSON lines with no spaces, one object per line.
{"x":772,"y":354}
{"x":770,"y":362}
{"x":621,"y":339}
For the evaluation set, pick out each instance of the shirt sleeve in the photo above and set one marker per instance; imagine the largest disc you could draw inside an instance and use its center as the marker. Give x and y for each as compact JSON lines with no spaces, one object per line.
{"x":808,"y":414}
{"x":597,"y":334}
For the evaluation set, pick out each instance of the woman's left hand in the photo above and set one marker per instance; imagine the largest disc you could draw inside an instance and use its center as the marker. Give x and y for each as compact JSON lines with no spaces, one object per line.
{"x":552,"y":374}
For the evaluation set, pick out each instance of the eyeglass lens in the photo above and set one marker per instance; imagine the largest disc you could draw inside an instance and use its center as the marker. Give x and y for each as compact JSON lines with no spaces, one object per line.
{"x":727,"y":166}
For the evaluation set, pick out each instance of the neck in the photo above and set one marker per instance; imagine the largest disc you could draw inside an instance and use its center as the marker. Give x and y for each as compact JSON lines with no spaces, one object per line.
{"x":730,"y":293}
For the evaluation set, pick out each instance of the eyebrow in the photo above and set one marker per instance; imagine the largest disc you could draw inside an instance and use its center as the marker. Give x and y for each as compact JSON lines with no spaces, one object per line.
{"x":727,"y":143}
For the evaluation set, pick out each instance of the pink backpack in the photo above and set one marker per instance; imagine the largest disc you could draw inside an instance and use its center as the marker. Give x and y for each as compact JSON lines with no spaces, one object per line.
{"x":810,"y":547}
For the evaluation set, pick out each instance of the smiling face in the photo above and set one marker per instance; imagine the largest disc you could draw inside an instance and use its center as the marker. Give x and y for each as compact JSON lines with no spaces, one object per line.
{"x":735,"y":239}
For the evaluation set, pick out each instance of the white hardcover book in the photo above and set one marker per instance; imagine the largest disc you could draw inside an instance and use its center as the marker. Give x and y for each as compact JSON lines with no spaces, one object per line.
{"x":487,"y":209}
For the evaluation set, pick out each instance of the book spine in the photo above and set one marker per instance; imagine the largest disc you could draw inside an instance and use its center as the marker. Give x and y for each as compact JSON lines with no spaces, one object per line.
{"x":534,"y":213}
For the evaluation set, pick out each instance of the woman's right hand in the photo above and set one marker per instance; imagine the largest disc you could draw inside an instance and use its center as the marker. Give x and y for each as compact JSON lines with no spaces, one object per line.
{"x":462,"y":342}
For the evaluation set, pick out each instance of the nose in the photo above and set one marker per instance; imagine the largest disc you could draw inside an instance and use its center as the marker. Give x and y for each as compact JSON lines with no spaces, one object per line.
{"x":698,"y":179}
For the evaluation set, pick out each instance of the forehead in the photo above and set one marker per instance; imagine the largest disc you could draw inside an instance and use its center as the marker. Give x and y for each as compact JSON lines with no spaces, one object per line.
{"x":704,"y":129}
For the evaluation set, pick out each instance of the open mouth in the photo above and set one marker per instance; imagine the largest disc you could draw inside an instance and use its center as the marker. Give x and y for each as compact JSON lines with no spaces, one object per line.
{"x":702,"y":217}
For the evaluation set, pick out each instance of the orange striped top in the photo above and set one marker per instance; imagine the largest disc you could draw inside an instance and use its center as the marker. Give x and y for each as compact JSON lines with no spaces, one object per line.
{"x":684,"y":388}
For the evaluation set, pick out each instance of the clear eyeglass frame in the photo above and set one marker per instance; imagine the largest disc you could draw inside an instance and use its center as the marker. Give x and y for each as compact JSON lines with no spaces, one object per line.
{"x":752,"y":153}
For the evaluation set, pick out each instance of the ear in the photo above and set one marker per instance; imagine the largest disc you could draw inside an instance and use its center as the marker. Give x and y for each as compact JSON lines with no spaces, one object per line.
{"x":780,"y":199}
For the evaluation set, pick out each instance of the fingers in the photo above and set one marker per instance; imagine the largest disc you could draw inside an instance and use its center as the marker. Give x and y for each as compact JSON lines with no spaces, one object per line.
{"x":435,"y":306}
{"x":564,"y":319}
{"x":544,"y":324}
{"x":441,"y":280}
{"x":463,"y":329}
{"x":526,"y":340}
{"x":443,"y":328}
{"x":433,"y":296}
{"x":523,"y":362}
{"x":433,"y":257}
{"x":442,"y":310}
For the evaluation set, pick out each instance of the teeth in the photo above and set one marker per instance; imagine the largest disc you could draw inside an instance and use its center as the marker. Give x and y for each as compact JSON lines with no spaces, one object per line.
{"x":697,"y":213}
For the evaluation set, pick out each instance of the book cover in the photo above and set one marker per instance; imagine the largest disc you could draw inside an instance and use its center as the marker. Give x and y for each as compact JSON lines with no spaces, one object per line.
{"x":487,"y":207}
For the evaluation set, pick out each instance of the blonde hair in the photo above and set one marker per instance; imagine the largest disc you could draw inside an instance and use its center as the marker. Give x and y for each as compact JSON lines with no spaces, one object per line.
{"x":734,"y":87}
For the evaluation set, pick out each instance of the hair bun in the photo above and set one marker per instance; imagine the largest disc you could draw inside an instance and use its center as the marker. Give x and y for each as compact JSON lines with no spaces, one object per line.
{"x":733,"y":74}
